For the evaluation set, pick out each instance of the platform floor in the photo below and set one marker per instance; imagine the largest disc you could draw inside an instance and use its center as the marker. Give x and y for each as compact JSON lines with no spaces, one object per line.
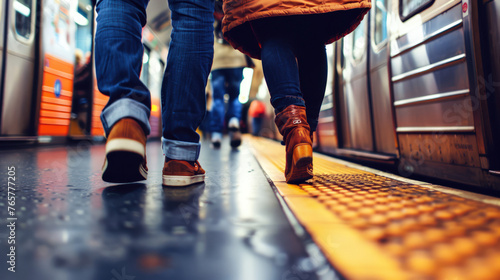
{"x":374,"y":225}
{"x":244,"y":222}
{"x":72,"y":225}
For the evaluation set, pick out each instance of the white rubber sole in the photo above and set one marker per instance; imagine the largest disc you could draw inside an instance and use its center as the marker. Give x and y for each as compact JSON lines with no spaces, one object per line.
{"x":180,"y":181}
{"x":125,"y":145}
{"x":124,"y":161}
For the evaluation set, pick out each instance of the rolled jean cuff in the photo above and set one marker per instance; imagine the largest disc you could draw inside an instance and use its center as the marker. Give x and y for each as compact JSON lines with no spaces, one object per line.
{"x":125,"y":108}
{"x":180,"y":150}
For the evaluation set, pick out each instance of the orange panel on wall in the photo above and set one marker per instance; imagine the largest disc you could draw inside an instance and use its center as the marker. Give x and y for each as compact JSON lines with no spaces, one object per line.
{"x":57,"y":92}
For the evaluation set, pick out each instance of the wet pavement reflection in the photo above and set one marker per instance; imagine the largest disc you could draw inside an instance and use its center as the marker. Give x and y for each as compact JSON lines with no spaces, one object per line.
{"x":72,"y":225}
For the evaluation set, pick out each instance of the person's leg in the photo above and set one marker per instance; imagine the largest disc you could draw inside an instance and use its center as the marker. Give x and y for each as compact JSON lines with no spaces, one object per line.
{"x":183,"y":90}
{"x":234,"y":76}
{"x":188,"y":65}
{"x":311,"y":58}
{"x":281,"y":73}
{"x":217,"y":113}
{"x":282,"y":78}
{"x":313,"y":74}
{"x":119,"y":52}
{"x":118,"y":58}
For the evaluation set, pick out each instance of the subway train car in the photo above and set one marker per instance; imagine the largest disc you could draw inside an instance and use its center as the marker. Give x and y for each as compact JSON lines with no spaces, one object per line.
{"x":416,"y":85}
{"x":48,"y":91}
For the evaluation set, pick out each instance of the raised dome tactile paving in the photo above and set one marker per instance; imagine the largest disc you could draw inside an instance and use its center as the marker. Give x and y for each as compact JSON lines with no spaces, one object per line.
{"x":372,"y":225}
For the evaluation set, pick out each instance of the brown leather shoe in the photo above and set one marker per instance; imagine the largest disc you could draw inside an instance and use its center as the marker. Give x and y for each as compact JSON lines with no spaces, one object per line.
{"x":292,"y":124}
{"x":181,"y":173}
{"x":125,"y":153}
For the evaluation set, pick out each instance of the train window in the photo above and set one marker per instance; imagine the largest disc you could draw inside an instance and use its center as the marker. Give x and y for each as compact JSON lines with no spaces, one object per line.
{"x":359,"y":41}
{"x":409,"y":8}
{"x":380,"y":26}
{"x":23,"y":17}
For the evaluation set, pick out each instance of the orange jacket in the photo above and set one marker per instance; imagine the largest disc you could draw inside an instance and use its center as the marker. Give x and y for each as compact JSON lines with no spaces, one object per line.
{"x":238,"y":14}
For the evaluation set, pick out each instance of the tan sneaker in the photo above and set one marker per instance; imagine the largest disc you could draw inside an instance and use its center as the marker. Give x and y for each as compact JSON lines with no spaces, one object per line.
{"x":181,"y":173}
{"x":125,"y":153}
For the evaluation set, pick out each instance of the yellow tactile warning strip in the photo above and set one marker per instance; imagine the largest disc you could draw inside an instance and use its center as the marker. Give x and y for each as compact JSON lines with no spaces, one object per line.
{"x":371,"y":226}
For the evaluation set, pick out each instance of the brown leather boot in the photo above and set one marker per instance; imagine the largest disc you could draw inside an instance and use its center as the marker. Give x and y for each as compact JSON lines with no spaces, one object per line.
{"x":292,"y":124}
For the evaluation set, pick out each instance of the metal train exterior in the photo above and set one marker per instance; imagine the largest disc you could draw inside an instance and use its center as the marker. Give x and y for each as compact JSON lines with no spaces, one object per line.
{"x":39,"y":100}
{"x":417,"y":84}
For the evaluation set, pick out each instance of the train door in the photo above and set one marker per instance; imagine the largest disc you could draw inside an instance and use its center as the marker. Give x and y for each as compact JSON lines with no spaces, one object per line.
{"x":355,"y":110}
{"x":433,"y":80}
{"x":381,"y":101}
{"x":490,"y":12}
{"x":83,"y":87}
{"x":327,"y":127}
{"x":57,"y":53}
{"x":18,"y":65}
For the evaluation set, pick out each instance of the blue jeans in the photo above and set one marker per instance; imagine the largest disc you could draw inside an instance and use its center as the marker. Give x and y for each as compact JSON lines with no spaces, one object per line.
{"x":294,"y":62}
{"x":119,"y":53}
{"x":256,"y":126}
{"x":224,"y":81}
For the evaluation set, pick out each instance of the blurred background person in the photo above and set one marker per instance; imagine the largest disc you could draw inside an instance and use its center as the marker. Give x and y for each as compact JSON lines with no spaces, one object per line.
{"x":226,"y":77}
{"x":257,"y":112}
{"x":204,"y":128}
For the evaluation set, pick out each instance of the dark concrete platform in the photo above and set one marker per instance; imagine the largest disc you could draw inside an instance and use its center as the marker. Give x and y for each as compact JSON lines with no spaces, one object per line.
{"x":72,"y":225}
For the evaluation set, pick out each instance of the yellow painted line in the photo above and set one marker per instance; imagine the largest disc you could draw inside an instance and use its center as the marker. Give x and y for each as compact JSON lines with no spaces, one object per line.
{"x":372,"y":225}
